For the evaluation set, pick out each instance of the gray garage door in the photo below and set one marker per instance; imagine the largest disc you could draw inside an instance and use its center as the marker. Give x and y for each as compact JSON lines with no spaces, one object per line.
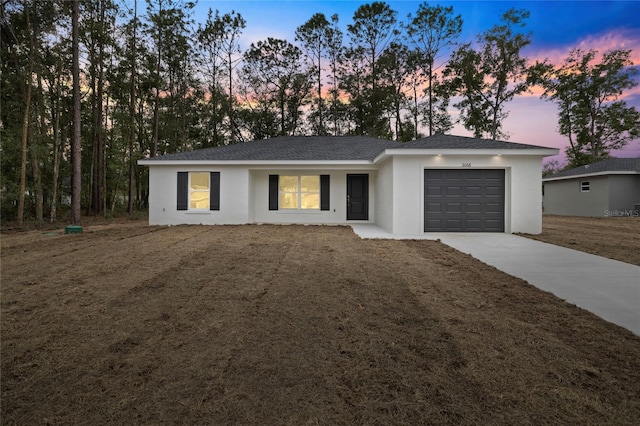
{"x":465,"y":200}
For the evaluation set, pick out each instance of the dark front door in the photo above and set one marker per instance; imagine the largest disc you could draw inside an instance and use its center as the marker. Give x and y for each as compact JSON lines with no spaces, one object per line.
{"x":357,"y":197}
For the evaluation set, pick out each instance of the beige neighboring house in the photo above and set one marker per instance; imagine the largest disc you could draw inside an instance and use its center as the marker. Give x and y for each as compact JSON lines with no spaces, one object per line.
{"x":607,"y":188}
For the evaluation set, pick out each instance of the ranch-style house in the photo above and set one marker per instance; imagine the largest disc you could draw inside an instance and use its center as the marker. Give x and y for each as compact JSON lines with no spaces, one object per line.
{"x":441,"y":183}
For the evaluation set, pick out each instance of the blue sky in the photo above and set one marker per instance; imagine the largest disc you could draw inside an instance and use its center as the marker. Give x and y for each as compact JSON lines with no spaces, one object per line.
{"x":556,"y":27}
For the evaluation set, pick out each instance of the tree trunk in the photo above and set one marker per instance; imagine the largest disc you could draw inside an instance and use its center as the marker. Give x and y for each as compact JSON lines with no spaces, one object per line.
{"x":430,"y":99}
{"x":76,"y":150}
{"x":54,"y":90}
{"x":117,"y":188}
{"x":23,"y":158}
{"x":320,"y":121}
{"x":415,"y":111}
{"x":37,"y":184}
{"x":141,"y":138}
{"x":496,"y":109}
{"x":35,"y":160}
{"x":43,"y":132}
{"x":399,"y":131}
{"x":156,"y":123}
{"x":132,"y":107}
{"x":97,"y":197}
{"x":156,"y":102}
{"x":214,"y":113}
{"x":232,"y":123}
{"x":25,"y":125}
{"x":282,"y":116}
{"x":107,"y":143}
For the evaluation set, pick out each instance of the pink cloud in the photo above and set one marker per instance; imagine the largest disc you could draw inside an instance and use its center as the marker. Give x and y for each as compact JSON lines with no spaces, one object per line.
{"x":623,"y":38}
{"x":628,"y":39}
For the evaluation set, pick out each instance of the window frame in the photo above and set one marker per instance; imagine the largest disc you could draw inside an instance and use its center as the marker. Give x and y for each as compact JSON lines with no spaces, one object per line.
{"x":206,"y":191}
{"x":185,"y":191}
{"x":325,"y":194}
{"x":585,"y":186}
{"x":299,"y":193}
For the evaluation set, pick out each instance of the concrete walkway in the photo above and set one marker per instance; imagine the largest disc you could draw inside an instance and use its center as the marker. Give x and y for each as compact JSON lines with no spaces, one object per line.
{"x":608,"y":288}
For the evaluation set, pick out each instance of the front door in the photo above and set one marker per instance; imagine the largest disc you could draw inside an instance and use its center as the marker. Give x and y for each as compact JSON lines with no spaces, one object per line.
{"x":357,"y":197}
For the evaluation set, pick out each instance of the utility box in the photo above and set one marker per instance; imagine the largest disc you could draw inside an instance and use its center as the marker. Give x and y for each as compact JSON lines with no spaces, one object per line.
{"x":73,"y":229}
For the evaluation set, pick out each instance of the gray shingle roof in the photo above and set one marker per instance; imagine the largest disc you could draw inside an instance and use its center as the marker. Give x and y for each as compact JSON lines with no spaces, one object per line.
{"x":291,"y":148}
{"x":609,"y":165}
{"x":329,"y":148}
{"x":463,"y":142}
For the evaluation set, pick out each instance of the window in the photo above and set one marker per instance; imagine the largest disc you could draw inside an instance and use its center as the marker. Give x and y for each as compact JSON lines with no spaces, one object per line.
{"x":584,"y":186}
{"x":299,"y":192}
{"x":198,"y":191}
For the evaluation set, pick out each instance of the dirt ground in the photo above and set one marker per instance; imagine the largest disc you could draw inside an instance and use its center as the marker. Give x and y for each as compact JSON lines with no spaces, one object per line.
{"x":130,"y":324}
{"x":613,"y":237}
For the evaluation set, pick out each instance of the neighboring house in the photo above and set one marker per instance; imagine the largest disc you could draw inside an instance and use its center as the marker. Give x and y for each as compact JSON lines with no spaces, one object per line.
{"x":441,"y":183}
{"x":609,"y":187}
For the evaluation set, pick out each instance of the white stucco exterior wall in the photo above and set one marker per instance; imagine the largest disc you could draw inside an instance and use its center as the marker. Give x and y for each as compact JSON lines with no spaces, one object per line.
{"x":523,"y":197}
{"x":526,"y":195}
{"x":234,"y":196}
{"x":384,"y":195}
{"x":337,"y":213}
{"x":396,"y":192}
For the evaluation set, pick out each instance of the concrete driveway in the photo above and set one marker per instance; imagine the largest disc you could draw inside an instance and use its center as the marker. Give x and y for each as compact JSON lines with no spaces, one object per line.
{"x":608,"y":288}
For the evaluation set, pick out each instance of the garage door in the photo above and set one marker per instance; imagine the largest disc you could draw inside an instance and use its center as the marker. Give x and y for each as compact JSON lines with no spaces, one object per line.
{"x":465,"y":200}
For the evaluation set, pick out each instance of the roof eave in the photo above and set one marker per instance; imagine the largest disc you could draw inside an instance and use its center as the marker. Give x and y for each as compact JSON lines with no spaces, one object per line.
{"x":585,"y":175}
{"x":533,"y":152}
{"x":151,"y":162}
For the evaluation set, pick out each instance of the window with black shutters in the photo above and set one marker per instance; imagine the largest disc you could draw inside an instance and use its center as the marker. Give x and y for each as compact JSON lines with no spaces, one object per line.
{"x":298,"y":192}
{"x":198,"y":191}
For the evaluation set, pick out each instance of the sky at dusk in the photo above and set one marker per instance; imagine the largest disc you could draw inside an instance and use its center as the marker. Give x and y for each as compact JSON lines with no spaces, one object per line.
{"x":556,"y":27}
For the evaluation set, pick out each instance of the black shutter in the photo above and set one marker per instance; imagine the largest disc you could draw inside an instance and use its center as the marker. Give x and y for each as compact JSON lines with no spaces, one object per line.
{"x":273,"y":192}
{"x":183,"y":190}
{"x":214,"y":191}
{"x":324,"y":192}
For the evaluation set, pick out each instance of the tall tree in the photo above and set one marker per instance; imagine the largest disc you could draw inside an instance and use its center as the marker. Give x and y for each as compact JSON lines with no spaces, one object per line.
{"x":232,"y":25}
{"x":26,"y":115}
{"x":27,"y":25}
{"x":395,"y":73}
{"x":131,"y":135}
{"x":172,"y":58}
{"x":588,"y":91}
{"x":488,"y":78}
{"x":76,"y":147}
{"x":209,"y":37}
{"x":276,"y":74}
{"x":59,"y":96}
{"x":155,"y":15}
{"x":12,"y":102}
{"x":433,"y":29}
{"x":465,"y":78}
{"x":218,"y":43}
{"x":417,"y":80}
{"x":127,"y":88}
{"x":315,"y":37}
{"x":335,"y":51}
{"x":373,"y":29}
{"x":30,"y":51}
{"x":99,"y":24}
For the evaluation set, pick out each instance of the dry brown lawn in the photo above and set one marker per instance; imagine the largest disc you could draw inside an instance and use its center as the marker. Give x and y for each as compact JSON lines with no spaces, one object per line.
{"x":129,"y":324}
{"x":613,"y":237}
